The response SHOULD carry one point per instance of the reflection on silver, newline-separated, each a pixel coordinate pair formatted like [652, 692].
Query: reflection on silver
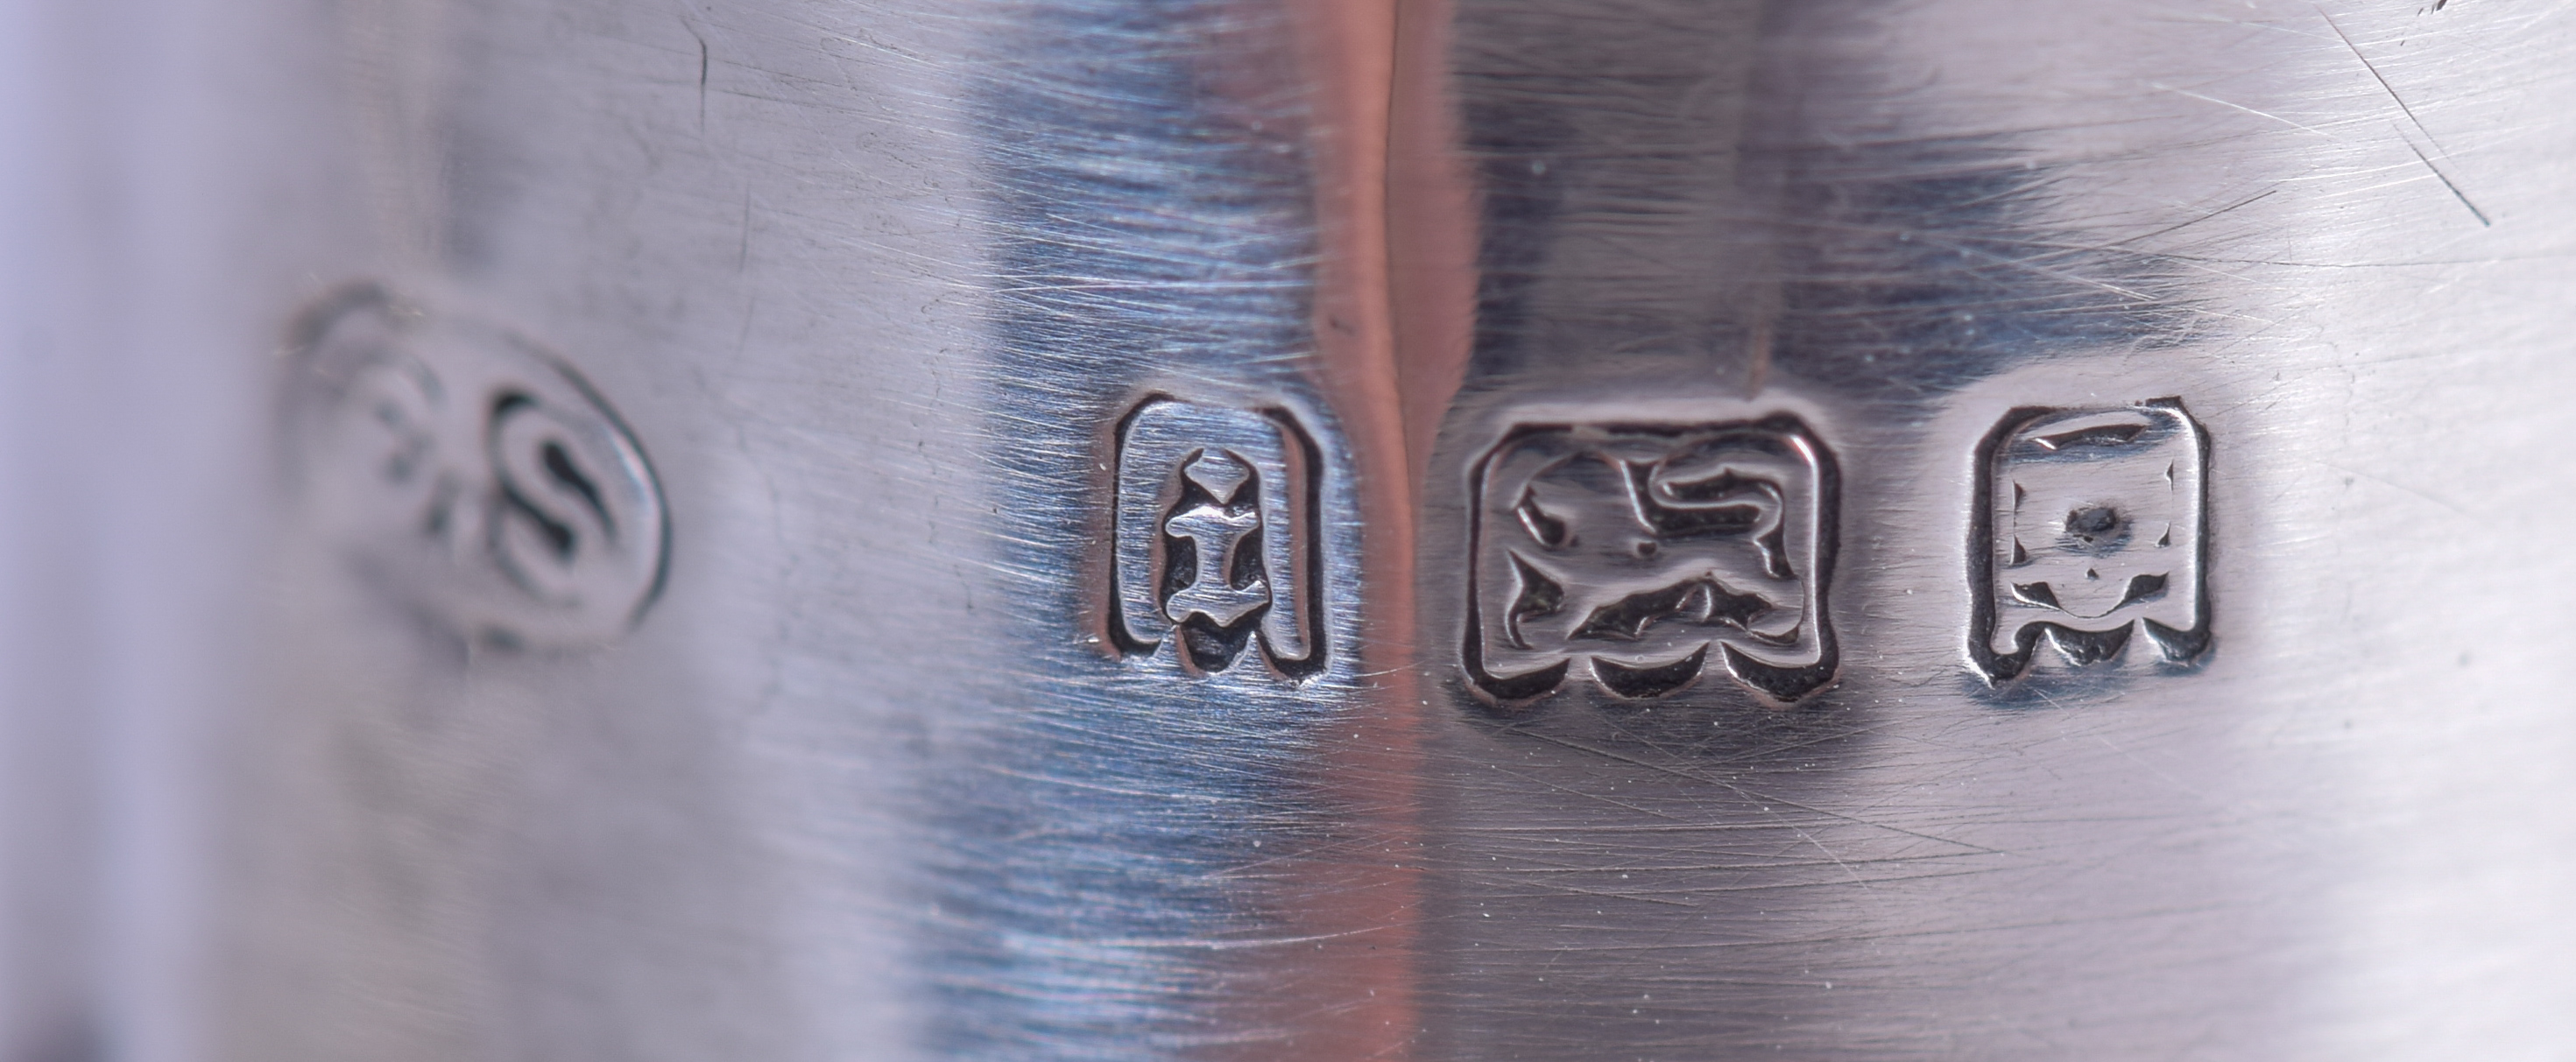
[1637, 548]
[1214, 535]
[473, 474]
[2090, 525]
[878, 282]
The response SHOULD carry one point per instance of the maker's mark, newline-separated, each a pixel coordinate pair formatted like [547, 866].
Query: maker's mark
[472, 474]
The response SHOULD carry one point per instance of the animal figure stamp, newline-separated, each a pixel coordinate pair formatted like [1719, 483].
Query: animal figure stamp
[1216, 537]
[2089, 526]
[1643, 555]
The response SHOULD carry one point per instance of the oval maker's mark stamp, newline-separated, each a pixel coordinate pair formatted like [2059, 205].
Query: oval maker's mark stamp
[474, 474]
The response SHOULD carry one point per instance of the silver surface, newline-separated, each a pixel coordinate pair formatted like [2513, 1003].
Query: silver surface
[901, 746]
[2335, 837]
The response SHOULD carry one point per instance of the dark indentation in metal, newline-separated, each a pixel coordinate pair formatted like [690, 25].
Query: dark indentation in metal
[1780, 683]
[2089, 647]
[559, 465]
[1684, 523]
[1247, 562]
[1724, 486]
[2037, 594]
[2179, 646]
[1539, 596]
[1180, 564]
[1774, 545]
[1649, 681]
[2100, 435]
[2143, 588]
[1548, 530]
[1701, 601]
[2094, 523]
[560, 537]
[1214, 648]
[1523, 687]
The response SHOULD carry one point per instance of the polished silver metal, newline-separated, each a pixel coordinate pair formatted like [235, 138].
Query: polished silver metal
[1440, 529]
[2323, 232]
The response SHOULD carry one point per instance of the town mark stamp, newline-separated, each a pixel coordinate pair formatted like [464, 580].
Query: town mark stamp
[1641, 554]
[2089, 525]
[1216, 537]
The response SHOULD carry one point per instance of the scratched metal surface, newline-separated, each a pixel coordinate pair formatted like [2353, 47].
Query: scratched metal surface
[870, 286]
[2333, 233]
[873, 775]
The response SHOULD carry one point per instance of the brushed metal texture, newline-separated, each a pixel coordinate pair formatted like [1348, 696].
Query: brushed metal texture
[1779, 374]
[2325, 229]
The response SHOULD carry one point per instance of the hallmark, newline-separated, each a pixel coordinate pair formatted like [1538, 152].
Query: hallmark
[474, 474]
[1639, 549]
[2088, 526]
[1215, 532]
